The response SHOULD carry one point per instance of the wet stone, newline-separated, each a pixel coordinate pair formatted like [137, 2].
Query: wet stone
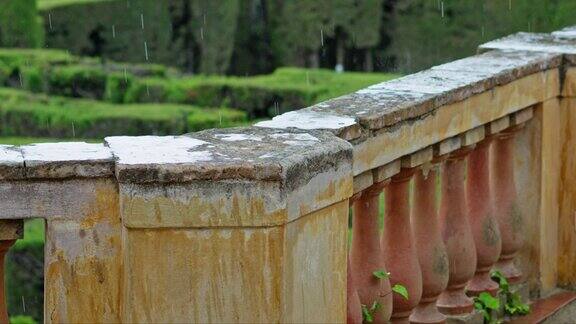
[253, 153]
[547, 43]
[11, 162]
[67, 160]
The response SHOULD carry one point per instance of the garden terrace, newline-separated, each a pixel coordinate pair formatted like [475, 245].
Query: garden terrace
[251, 224]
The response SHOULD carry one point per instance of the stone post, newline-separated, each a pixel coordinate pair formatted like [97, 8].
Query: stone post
[10, 231]
[235, 225]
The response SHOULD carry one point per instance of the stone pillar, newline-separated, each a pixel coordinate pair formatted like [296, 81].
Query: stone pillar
[430, 246]
[457, 236]
[366, 255]
[250, 224]
[508, 213]
[481, 215]
[10, 231]
[399, 247]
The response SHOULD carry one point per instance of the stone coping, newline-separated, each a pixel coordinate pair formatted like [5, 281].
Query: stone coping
[560, 42]
[353, 116]
[299, 142]
[250, 153]
[55, 160]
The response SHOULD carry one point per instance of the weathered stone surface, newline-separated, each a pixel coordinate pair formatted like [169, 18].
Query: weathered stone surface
[473, 136]
[279, 274]
[230, 177]
[363, 181]
[447, 146]
[416, 95]
[547, 43]
[11, 162]
[55, 161]
[387, 171]
[236, 153]
[315, 118]
[418, 158]
[568, 32]
[522, 116]
[497, 126]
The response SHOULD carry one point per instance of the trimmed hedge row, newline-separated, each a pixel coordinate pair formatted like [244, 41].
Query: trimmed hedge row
[37, 115]
[58, 73]
[20, 25]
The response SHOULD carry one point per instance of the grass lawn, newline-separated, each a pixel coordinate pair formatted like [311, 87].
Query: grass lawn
[48, 4]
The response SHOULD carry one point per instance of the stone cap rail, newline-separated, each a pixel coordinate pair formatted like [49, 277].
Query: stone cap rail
[297, 157]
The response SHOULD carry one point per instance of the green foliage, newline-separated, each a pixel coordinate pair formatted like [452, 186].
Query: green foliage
[381, 274]
[77, 81]
[22, 320]
[112, 29]
[368, 313]
[425, 35]
[25, 274]
[117, 85]
[486, 304]
[514, 305]
[19, 24]
[400, 290]
[23, 113]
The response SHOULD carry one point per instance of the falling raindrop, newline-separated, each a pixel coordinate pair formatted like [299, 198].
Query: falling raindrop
[148, 90]
[220, 117]
[509, 4]
[146, 50]
[202, 33]
[125, 76]
[113, 31]
[277, 108]
[482, 32]
[20, 77]
[204, 17]
[23, 304]
[322, 37]
[142, 20]
[73, 131]
[50, 20]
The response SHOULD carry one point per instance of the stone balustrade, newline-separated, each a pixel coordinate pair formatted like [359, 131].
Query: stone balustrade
[475, 160]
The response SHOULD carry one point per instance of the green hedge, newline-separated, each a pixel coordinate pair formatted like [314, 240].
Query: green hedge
[26, 114]
[20, 25]
[25, 274]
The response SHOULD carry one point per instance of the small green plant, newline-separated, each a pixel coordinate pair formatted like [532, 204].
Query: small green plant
[486, 304]
[514, 305]
[369, 312]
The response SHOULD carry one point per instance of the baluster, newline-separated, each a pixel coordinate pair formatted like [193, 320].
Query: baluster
[366, 256]
[481, 214]
[457, 236]
[399, 247]
[508, 213]
[354, 309]
[431, 249]
[10, 231]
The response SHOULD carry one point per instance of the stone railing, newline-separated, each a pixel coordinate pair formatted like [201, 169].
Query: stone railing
[251, 224]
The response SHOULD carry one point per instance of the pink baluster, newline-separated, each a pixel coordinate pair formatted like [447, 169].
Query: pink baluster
[354, 309]
[481, 214]
[430, 246]
[508, 213]
[399, 247]
[457, 236]
[366, 256]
